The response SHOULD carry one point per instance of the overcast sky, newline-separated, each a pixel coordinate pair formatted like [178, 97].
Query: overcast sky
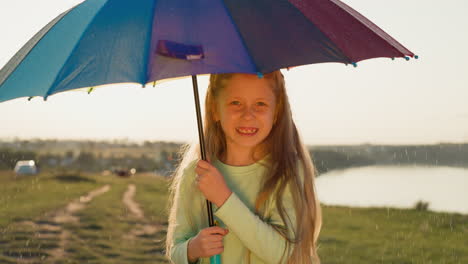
[379, 102]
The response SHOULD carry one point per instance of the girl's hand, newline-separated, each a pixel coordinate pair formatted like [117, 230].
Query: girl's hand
[211, 183]
[207, 243]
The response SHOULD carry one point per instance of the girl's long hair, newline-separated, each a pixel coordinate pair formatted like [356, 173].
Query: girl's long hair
[287, 151]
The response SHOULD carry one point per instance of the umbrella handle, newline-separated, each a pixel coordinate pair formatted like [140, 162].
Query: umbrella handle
[216, 259]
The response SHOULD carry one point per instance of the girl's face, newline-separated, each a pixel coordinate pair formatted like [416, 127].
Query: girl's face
[246, 110]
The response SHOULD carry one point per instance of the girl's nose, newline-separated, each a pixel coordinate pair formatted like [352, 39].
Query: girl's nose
[248, 113]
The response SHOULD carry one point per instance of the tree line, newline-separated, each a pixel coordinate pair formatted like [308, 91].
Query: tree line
[163, 157]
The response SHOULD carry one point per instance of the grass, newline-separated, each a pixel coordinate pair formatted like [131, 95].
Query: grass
[380, 235]
[28, 197]
[108, 233]
[152, 195]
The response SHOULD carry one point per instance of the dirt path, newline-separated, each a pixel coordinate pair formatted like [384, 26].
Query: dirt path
[52, 227]
[132, 206]
[142, 226]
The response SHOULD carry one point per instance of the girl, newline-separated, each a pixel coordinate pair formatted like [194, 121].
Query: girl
[260, 179]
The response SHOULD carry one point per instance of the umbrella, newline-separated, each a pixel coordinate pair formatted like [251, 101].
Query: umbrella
[101, 42]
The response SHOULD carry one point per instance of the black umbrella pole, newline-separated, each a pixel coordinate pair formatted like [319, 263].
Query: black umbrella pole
[201, 140]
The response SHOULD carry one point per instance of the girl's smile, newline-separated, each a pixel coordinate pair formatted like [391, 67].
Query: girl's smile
[247, 131]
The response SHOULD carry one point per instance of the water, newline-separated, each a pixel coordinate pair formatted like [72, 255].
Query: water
[445, 188]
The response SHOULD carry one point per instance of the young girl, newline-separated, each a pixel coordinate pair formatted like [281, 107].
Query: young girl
[259, 177]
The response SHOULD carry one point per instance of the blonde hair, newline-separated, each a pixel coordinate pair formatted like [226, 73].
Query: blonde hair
[282, 171]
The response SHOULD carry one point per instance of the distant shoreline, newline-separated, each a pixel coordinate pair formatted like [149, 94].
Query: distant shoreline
[163, 155]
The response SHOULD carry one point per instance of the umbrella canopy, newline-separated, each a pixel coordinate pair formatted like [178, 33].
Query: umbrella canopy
[101, 42]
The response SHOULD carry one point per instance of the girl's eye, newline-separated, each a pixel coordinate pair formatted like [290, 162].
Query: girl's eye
[261, 104]
[235, 103]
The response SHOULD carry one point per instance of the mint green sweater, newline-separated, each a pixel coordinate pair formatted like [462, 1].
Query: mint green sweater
[247, 231]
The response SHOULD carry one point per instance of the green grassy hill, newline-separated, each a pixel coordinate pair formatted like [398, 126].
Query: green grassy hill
[74, 218]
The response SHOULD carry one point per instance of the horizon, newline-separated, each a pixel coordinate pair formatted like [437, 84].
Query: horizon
[141, 142]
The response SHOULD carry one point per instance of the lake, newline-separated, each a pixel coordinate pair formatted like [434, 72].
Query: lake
[445, 188]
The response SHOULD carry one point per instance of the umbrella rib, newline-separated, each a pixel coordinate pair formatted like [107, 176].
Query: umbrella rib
[240, 35]
[54, 83]
[343, 54]
[19, 57]
[148, 44]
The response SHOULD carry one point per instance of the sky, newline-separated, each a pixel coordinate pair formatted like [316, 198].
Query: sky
[381, 101]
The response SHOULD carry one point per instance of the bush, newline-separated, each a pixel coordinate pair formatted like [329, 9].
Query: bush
[421, 206]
